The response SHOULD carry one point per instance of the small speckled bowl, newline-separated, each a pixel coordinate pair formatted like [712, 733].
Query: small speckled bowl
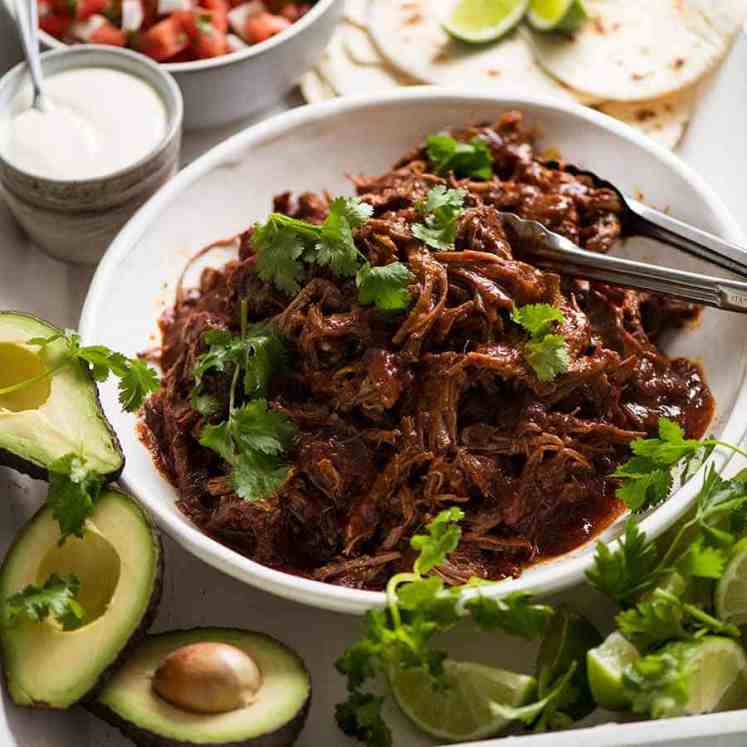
[76, 220]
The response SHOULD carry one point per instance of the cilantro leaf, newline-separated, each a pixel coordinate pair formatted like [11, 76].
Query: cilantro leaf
[548, 356]
[537, 318]
[472, 159]
[515, 614]
[136, 379]
[252, 442]
[384, 286]
[623, 572]
[282, 244]
[443, 537]
[441, 209]
[73, 492]
[360, 717]
[279, 248]
[36, 603]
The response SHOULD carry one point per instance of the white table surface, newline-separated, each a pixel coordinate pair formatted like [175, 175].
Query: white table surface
[195, 594]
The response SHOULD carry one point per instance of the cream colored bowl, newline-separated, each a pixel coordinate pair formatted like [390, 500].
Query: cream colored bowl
[75, 220]
[313, 148]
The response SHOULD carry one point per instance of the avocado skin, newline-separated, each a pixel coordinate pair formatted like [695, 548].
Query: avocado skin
[145, 623]
[283, 737]
[19, 464]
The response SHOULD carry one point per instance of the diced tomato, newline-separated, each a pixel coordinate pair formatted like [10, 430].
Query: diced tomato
[164, 40]
[81, 10]
[211, 44]
[219, 10]
[55, 24]
[195, 22]
[150, 13]
[262, 26]
[109, 34]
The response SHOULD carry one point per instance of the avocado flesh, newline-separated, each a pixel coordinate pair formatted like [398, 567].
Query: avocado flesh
[274, 719]
[56, 416]
[119, 565]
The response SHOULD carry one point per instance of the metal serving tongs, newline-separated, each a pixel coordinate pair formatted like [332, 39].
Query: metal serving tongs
[554, 252]
[638, 219]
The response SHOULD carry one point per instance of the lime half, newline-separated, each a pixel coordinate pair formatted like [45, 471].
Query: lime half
[731, 591]
[462, 712]
[480, 21]
[605, 665]
[557, 15]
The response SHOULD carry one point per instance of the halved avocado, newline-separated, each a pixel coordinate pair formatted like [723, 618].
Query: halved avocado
[119, 562]
[274, 718]
[56, 415]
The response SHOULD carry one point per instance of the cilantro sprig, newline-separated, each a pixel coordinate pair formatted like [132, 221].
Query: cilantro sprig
[58, 598]
[648, 476]
[419, 607]
[253, 438]
[441, 209]
[284, 244]
[136, 379]
[447, 155]
[545, 352]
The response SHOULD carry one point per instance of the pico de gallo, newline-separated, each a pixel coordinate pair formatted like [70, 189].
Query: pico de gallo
[170, 30]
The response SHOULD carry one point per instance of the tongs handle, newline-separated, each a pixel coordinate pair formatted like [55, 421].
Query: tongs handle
[554, 252]
[657, 225]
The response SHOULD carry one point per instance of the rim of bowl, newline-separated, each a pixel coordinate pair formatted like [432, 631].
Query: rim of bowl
[317, 11]
[560, 572]
[162, 81]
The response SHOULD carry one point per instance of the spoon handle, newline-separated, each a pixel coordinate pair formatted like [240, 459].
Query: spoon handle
[27, 18]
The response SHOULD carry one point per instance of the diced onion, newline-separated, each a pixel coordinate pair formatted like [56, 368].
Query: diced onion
[166, 7]
[132, 15]
[84, 30]
[237, 16]
[235, 43]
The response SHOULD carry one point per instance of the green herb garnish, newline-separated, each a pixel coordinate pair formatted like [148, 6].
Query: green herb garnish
[441, 209]
[56, 598]
[546, 353]
[136, 379]
[447, 155]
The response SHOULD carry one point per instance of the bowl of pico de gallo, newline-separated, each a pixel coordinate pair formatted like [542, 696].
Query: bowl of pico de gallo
[231, 58]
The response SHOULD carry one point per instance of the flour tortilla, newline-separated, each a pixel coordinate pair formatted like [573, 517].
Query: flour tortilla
[359, 46]
[632, 50]
[355, 12]
[315, 88]
[348, 77]
[664, 119]
[408, 34]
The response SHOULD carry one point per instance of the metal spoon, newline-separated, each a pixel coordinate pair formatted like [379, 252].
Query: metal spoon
[27, 20]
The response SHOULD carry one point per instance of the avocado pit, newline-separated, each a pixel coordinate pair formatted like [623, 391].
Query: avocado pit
[208, 677]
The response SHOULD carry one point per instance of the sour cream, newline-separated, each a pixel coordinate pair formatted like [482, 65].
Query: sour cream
[99, 121]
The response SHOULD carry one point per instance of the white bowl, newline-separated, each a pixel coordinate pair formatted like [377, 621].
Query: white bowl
[312, 148]
[223, 89]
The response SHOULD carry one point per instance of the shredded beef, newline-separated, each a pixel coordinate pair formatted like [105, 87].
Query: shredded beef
[399, 416]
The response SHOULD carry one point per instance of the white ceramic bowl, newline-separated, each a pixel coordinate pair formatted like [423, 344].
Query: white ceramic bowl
[223, 89]
[313, 148]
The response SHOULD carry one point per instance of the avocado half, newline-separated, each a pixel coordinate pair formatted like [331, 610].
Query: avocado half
[119, 562]
[274, 719]
[56, 415]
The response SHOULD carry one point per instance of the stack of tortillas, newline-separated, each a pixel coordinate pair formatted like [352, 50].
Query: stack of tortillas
[641, 61]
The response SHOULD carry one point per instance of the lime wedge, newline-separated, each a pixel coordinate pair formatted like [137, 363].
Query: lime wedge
[480, 21]
[461, 712]
[605, 665]
[730, 597]
[557, 15]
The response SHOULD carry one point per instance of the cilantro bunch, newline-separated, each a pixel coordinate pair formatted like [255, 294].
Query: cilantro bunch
[545, 352]
[419, 607]
[284, 244]
[136, 379]
[253, 438]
